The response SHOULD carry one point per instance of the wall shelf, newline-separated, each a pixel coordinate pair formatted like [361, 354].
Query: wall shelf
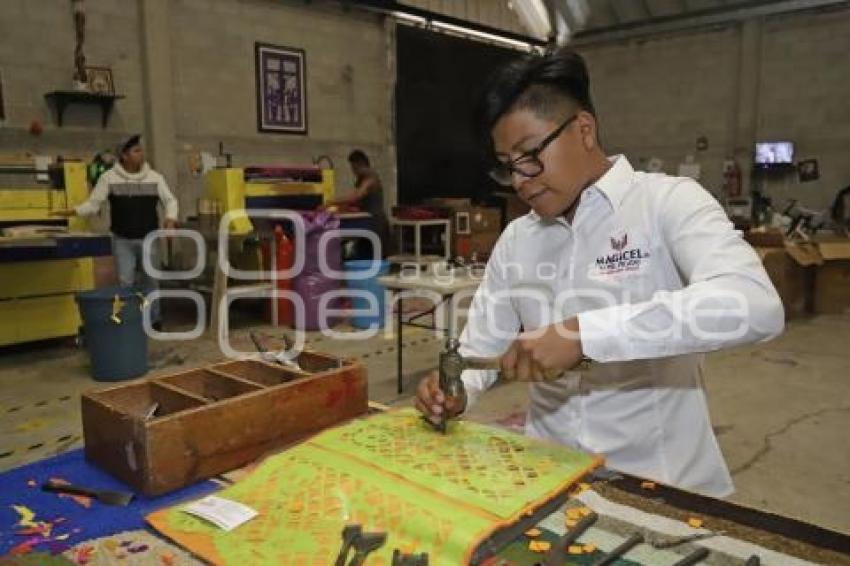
[62, 98]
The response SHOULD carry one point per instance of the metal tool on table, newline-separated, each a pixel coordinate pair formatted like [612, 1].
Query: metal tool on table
[402, 559]
[694, 557]
[106, 496]
[361, 542]
[662, 543]
[279, 357]
[364, 545]
[452, 364]
[557, 555]
[620, 550]
[349, 534]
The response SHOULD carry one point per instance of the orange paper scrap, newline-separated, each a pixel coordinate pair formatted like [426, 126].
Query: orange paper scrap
[539, 546]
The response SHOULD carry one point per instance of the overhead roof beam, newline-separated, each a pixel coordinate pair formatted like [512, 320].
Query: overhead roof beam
[701, 18]
[391, 7]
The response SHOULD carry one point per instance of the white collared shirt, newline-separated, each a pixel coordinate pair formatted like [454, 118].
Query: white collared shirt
[656, 275]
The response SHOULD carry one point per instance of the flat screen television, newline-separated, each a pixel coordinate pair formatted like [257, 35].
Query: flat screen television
[774, 153]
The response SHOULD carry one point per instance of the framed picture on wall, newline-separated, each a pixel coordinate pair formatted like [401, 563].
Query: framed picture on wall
[100, 80]
[281, 89]
[808, 170]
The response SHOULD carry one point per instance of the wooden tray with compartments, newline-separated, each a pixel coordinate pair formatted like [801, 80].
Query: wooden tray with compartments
[214, 419]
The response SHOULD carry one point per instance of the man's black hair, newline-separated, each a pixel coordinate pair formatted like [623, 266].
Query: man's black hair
[358, 156]
[130, 143]
[543, 84]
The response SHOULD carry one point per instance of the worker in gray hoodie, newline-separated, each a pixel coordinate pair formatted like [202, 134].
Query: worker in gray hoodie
[134, 190]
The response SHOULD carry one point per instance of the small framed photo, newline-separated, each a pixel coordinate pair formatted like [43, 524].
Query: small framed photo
[99, 80]
[281, 89]
[462, 223]
[808, 170]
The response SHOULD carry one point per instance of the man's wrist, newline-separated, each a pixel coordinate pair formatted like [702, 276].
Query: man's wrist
[576, 328]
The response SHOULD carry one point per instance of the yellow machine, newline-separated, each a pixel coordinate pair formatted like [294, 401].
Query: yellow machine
[41, 271]
[237, 189]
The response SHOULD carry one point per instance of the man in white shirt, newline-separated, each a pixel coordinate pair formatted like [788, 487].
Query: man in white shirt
[639, 272]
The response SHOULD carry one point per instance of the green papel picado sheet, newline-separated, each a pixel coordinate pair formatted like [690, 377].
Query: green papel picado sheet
[434, 493]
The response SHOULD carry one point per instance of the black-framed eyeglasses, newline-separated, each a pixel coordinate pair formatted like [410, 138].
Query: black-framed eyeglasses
[528, 164]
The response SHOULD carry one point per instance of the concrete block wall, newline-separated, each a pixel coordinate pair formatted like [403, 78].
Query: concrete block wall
[656, 95]
[804, 96]
[213, 92]
[37, 56]
[348, 87]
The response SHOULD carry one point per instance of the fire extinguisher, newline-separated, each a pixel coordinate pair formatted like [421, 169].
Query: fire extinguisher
[732, 179]
[284, 259]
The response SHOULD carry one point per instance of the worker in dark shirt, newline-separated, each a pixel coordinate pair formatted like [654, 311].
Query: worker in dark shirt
[367, 195]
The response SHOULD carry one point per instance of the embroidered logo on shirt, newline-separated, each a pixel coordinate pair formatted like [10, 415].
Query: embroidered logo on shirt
[619, 245]
[623, 259]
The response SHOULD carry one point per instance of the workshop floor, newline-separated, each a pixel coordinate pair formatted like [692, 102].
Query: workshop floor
[781, 410]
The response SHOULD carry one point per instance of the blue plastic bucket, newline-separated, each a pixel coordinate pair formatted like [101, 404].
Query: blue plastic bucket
[371, 286]
[117, 345]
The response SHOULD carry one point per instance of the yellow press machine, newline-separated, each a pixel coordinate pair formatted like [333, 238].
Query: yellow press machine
[255, 188]
[44, 260]
[235, 190]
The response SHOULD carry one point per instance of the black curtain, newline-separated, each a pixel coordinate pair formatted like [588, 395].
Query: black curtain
[440, 78]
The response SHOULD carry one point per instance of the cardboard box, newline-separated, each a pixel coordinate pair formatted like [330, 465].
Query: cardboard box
[515, 207]
[474, 228]
[832, 288]
[793, 282]
[458, 210]
[831, 260]
[452, 203]
[214, 419]
[765, 238]
[485, 219]
[419, 212]
[832, 279]
[481, 245]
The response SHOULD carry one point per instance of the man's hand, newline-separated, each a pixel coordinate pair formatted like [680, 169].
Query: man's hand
[542, 353]
[431, 402]
[169, 224]
[64, 213]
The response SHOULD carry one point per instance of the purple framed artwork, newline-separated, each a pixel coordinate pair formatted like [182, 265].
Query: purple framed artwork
[281, 89]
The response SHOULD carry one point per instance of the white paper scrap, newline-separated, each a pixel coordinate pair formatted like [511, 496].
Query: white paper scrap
[223, 513]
